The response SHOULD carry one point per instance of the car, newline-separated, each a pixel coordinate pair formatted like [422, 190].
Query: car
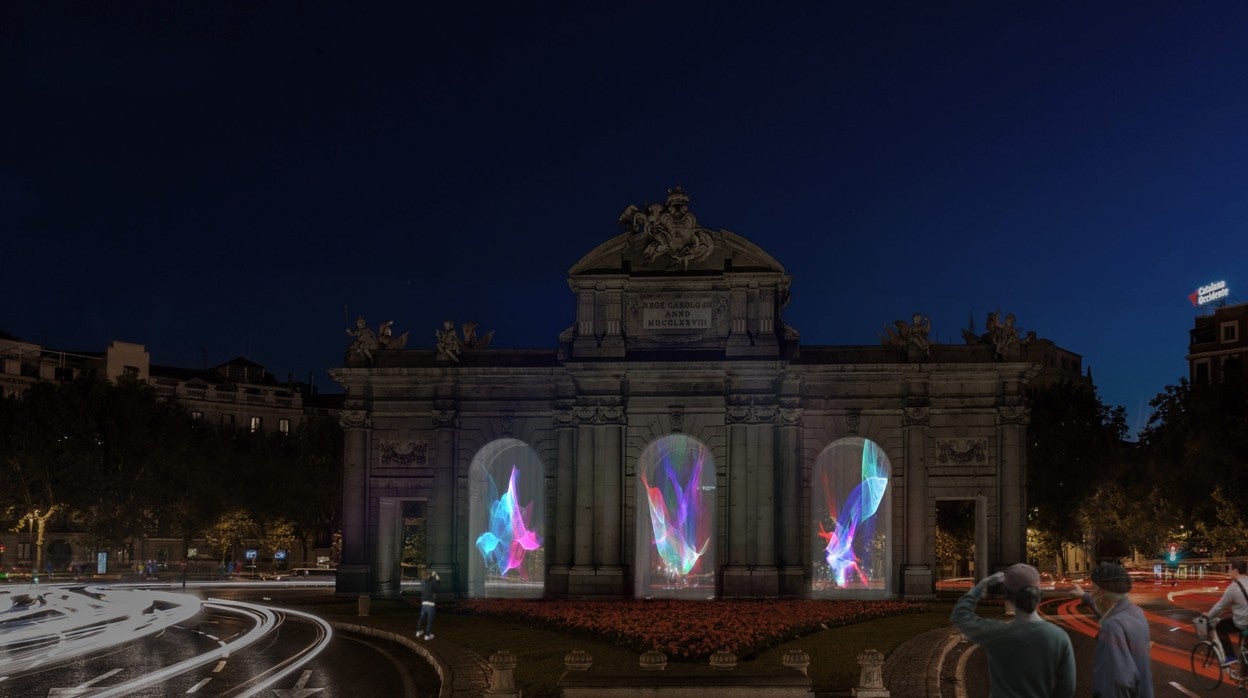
[955, 583]
[310, 573]
[1047, 582]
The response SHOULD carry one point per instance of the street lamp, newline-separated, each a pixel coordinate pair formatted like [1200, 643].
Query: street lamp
[34, 548]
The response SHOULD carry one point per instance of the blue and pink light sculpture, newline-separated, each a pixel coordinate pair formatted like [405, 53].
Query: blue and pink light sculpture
[510, 533]
[852, 518]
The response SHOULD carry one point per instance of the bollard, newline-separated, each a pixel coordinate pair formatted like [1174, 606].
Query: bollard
[652, 660]
[724, 660]
[362, 605]
[796, 659]
[578, 660]
[871, 678]
[501, 681]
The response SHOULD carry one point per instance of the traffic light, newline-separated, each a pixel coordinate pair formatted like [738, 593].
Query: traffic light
[1174, 552]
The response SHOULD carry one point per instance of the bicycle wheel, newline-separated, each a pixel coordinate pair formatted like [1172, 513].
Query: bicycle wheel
[1206, 666]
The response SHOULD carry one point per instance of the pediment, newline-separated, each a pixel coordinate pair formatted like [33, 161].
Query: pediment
[666, 239]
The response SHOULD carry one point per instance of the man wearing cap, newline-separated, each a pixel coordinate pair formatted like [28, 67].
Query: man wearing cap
[1120, 664]
[1027, 656]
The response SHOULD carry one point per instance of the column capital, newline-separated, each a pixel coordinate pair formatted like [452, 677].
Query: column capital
[1013, 415]
[355, 419]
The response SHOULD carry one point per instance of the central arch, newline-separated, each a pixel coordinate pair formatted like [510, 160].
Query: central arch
[851, 502]
[675, 530]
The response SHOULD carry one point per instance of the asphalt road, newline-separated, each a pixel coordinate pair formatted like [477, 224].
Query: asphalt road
[70, 641]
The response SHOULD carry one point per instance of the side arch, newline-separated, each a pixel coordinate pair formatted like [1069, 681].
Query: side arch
[506, 515]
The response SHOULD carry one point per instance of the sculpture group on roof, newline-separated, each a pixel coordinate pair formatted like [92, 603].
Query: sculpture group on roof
[670, 229]
[1002, 336]
[450, 344]
[368, 342]
[913, 335]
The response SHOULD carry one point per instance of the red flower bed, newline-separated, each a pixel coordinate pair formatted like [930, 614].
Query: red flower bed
[687, 629]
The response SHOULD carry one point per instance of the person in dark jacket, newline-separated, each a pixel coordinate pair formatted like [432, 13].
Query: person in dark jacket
[428, 588]
[1121, 667]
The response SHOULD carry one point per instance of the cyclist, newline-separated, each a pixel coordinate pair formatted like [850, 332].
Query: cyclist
[1235, 596]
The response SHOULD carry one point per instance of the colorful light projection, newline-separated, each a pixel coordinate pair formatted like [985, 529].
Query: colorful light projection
[850, 528]
[510, 535]
[506, 517]
[675, 519]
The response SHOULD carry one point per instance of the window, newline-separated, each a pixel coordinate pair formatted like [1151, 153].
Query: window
[197, 415]
[227, 420]
[1200, 373]
[130, 371]
[257, 423]
[1230, 331]
[64, 374]
[283, 425]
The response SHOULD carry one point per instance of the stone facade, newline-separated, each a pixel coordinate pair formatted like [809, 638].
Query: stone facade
[678, 332]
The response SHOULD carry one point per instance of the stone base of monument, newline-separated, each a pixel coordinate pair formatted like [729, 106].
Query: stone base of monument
[679, 681]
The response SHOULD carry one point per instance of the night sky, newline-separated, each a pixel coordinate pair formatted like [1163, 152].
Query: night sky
[242, 179]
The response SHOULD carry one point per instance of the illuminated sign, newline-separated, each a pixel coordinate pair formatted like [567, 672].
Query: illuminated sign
[1209, 293]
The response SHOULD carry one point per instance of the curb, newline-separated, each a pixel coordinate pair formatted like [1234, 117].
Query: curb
[913, 670]
[460, 670]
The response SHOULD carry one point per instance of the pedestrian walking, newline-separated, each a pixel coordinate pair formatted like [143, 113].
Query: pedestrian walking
[1028, 656]
[428, 588]
[1120, 665]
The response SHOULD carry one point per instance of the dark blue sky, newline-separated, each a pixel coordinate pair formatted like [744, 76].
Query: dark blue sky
[221, 182]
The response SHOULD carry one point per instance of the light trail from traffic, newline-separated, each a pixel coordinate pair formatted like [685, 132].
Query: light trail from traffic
[44, 628]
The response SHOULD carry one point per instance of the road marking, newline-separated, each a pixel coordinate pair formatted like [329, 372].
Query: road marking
[82, 687]
[198, 686]
[220, 665]
[1182, 690]
[298, 691]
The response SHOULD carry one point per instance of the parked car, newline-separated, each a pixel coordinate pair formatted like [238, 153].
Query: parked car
[324, 573]
[955, 584]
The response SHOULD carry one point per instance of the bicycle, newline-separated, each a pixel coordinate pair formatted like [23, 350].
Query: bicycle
[1207, 654]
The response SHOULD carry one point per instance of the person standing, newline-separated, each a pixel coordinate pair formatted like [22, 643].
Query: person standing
[1235, 597]
[1121, 667]
[428, 588]
[1027, 656]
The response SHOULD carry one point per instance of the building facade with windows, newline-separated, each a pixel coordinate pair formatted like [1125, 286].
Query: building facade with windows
[1218, 344]
[239, 393]
[681, 441]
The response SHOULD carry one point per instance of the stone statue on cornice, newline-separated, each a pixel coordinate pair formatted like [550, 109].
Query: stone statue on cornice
[913, 335]
[670, 229]
[1002, 337]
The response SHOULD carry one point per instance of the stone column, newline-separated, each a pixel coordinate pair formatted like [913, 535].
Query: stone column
[583, 536]
[564, 520]
[765, 498]
[917, 580]
[737, 493]
[609, 490]
[353, 571]
[789, 461]
[440, 540]
[1012, 424]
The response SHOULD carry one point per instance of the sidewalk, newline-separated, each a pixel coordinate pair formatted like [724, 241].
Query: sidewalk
[462, 672]
[914, 669]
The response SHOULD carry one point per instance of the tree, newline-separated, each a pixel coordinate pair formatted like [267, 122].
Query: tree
[227, 533]
[1074, 444]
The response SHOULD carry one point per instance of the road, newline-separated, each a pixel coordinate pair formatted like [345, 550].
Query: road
[125, 640]
[1169, 610]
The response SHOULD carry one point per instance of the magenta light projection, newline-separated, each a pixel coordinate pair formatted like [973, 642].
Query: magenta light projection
[849, 535]
[506, 515]
[675, 514]
[510, 535]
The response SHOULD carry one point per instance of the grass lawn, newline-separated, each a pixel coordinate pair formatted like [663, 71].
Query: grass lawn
[540, 652]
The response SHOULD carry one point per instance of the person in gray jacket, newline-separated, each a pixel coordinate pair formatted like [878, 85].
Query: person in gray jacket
[1121, 667]
[1028, 657]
